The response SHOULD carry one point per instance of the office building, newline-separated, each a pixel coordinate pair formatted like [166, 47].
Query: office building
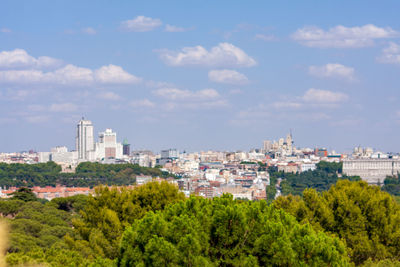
[85, 140]
[126, 148]
[107, 147]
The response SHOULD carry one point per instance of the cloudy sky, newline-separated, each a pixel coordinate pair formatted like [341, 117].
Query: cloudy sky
[200, 75]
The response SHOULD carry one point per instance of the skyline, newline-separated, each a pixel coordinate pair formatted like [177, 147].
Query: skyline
[175, 75]
[100, 135]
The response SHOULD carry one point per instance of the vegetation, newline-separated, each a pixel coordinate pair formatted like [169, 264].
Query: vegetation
[87, 174]
[362, 215]
[99, 229]
[392, 185]
[224, 232]
[38, 230]
[352, 223]
[320, 179]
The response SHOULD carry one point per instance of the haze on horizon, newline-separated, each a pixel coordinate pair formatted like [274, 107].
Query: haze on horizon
[201, 75]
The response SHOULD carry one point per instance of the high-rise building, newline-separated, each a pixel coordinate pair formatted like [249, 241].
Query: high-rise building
[84, 139]
[107, 147]
[126, 148]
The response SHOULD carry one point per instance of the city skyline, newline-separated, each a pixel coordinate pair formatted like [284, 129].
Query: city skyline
[176, 75]
[86, 144]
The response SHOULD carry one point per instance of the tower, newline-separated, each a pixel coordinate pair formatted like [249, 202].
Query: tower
[84, 139]
[126, 147]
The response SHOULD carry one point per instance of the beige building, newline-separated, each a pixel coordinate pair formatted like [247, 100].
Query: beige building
[373, 171]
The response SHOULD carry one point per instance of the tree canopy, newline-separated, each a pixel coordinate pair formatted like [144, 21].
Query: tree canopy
[362, 215]
[352, 223]
[87, 174]
[224, 232]
[110, 211]
[321, 179]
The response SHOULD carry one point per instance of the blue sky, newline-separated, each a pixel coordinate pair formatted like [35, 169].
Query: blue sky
[200, 75]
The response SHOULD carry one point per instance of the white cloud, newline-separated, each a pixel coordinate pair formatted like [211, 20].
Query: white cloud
[19, 94]
[316, 96]
[89, 30]
[263, 113]
[141, 24]
[21, 68]
[109, 96]
[201, 99]
[5, 30]
[306, 108]
[227, 76]
[37, 119]
[255, 113]
[142, 103]
[171, 28]
[36, 108]
[178, 94]
[224, 54]
[63, 107]
[265, 37]
[219, 103]
[157, 84]
[114, 74]
[332, 71]
[390, 54]
[69, 74]
[20, 76]
[20, 59]
[287, 104]
[235, 91]
[342, 37]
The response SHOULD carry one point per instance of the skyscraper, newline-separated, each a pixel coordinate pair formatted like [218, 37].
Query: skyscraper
[84, 139]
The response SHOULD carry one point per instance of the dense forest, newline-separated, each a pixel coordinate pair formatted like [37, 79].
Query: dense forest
[87, 174]
[350, 224]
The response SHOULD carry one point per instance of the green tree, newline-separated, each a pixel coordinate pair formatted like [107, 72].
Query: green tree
[330, 167]
[362, 215]
[225, 232]
[24, 194]
[110, 211]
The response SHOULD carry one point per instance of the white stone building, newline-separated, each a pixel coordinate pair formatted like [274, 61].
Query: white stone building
[373, 171]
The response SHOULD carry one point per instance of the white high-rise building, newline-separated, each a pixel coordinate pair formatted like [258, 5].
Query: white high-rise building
[107, 147]
[85, 140]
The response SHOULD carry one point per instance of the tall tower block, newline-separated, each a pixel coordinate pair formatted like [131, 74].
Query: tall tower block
[84, 139]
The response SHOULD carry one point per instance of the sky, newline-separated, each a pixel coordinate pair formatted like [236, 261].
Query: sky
[200, 75]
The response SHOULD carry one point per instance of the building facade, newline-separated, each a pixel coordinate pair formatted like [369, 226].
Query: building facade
[84, 140]
[373, 171]
[107, 147]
